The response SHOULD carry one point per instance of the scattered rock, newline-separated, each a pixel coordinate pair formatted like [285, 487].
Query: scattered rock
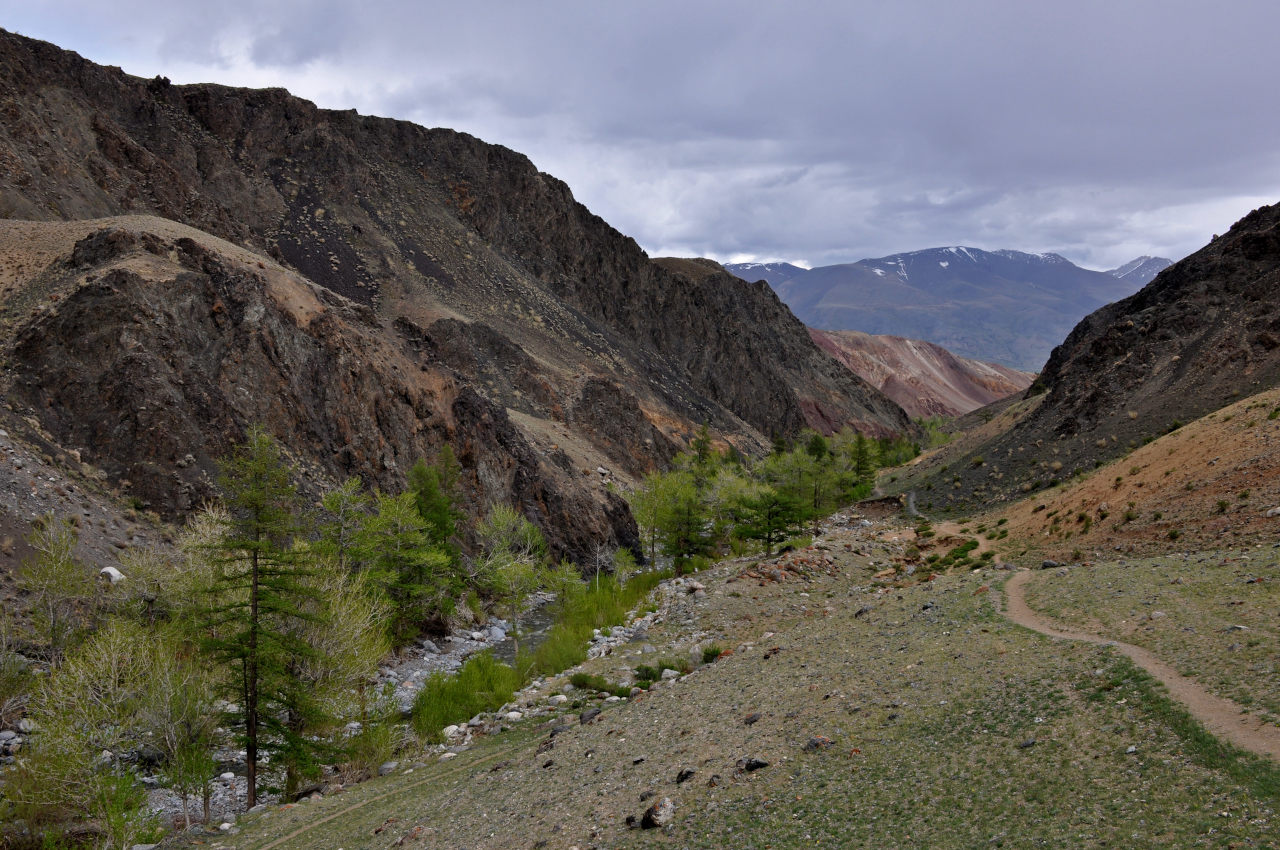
[669, 674]
[587, 716]
[748, 765]
[387, 767]
[659, 814]
[1049, 565]
[752, 719]
[1027, 744]
[816, 743]
[685, 775]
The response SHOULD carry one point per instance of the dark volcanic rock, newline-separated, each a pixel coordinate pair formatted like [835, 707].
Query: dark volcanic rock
[1203, 334]
[163, 347]
[460, 297]
[420, 223]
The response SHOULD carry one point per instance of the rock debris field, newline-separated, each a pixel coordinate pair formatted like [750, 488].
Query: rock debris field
[845, 710]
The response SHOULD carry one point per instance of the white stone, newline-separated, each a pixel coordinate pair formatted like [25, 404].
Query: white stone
[111, 574]
[558, 699]
[670, 674]
[451, 730]
[513, 716]
[224, 826]
[228, 777]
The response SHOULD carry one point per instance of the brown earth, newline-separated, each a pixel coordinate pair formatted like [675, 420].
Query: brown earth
[926, 379]
[1206, 485]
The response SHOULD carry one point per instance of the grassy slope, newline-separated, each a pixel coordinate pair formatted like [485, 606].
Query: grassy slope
[929, 699]
[1213, 615]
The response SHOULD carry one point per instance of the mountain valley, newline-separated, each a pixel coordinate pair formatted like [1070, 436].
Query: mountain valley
[738, 605]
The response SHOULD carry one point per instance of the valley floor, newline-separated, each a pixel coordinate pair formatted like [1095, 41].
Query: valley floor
[891, 712]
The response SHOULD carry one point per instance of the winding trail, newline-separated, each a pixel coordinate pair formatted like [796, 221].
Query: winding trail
[1222, 717]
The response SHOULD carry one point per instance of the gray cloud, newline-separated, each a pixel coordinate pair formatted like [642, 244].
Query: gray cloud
[814, 131]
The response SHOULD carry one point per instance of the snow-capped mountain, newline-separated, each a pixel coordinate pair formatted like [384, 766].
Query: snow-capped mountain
[1142, 270]
[1007, 307]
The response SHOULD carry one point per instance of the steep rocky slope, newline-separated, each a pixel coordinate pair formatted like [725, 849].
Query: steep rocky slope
[1203, 334]
[147, 348]
[926, 379]
[535, 313]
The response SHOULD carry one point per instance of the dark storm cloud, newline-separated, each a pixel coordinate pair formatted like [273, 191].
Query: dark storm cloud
[812, 131]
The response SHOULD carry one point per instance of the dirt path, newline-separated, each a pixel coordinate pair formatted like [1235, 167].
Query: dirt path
[1220, 716]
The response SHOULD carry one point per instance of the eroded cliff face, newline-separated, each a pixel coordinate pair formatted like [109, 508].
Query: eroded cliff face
[462, 296]
[423, 224]
[926, 379]
[149, 348]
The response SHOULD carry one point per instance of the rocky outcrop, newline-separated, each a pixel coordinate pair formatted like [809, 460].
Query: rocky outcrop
[419, 223]
[1203, 334]
[154, 347]
[461, 296]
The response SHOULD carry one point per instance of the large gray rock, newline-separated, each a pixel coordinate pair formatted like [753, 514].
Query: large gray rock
[659, 814]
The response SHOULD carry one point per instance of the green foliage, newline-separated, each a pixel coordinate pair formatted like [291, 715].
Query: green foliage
[768, 517]
[397, 548]
[711, 653]
[935, 433]
[112, 693]
[816, 446]
[15, 676]
[348, 508]
[482, 684]
[591, 682]
[578, 612]
[514, 564]
[56, 585]
[435, 491]
[256, 595]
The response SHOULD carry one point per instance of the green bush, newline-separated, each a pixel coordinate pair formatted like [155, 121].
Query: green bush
[591, 682]
[483, 684]
[711, 653]
[373, 745]
[581, 610]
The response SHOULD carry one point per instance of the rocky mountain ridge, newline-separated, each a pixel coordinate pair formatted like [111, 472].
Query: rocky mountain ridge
[926, 379]
[1007, 307]
[448, 256]
[1203, 334]
[1141, 270]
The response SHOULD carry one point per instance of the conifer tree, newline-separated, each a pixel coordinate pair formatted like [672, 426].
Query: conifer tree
[258, 590]
[435, 490]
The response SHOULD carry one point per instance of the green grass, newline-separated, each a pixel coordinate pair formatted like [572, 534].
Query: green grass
[578, 614]
[1214, 620]
[592, 682]
[482, 684]
[1259, 775]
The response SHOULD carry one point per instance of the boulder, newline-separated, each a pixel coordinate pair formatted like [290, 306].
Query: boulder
[659, 814]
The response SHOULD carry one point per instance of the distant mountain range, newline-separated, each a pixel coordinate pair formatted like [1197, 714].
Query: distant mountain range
[1202, 335]
[1003, 306]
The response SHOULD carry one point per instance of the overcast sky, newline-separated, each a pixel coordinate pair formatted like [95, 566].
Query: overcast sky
[815, 132]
